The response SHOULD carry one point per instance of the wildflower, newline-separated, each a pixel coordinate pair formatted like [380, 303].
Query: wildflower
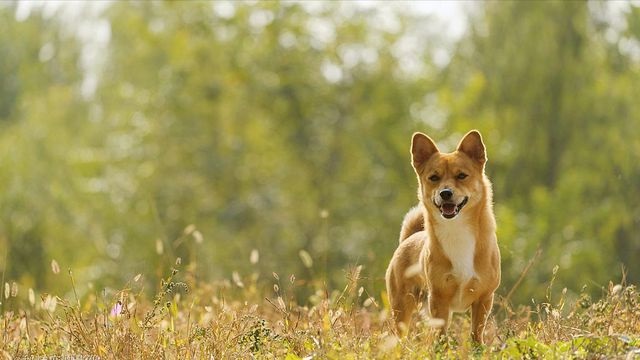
[159, 247]
[435, 322]
[413, 270]
[616, 290]
[197, 236]
[369, 301]
[237, 280]
[306, 258]
[55, 267]
[49, 303]
[32, 297]
[189, 229]
[388, 343]
[117, 309]
[255, 256]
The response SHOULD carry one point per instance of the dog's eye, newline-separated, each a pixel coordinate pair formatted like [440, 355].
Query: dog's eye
[462, 176]
[434, 178]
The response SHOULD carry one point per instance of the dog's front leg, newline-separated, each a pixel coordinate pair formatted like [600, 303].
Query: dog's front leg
[439, 308]
[480, 310]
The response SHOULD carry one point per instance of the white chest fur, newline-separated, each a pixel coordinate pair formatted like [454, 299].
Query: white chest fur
[458, 243]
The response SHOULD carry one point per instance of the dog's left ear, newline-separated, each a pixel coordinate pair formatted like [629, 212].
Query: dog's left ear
[472, 145]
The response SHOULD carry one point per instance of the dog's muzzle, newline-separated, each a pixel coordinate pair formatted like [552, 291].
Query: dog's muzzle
[450, 209]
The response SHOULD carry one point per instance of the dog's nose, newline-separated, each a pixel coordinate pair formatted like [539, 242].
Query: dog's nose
[446, 194]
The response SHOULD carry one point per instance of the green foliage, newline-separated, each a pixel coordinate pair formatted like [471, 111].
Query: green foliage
[558, 107]
[217, 131]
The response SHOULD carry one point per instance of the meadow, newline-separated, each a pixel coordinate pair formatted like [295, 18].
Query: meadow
[243, 318]
[265, 145]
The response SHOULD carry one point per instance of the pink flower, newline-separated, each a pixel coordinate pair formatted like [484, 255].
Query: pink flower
[117, 309]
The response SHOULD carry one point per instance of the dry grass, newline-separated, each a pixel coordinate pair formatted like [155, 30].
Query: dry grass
[235, 319]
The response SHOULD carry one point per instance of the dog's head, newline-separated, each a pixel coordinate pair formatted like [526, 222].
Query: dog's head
[449, 182]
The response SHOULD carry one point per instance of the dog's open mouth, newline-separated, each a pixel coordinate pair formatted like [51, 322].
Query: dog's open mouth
[449, 209]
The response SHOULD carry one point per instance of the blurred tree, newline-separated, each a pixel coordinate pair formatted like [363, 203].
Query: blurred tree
[260, 132]
[542, 78]
[39, 107]
[219, 128]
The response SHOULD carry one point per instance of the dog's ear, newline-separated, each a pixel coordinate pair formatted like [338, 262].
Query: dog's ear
[422, 148]
[472, 145]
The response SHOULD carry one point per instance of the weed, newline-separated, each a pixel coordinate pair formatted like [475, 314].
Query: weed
[195, 321]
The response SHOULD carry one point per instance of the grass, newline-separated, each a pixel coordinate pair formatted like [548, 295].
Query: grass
[235, 319]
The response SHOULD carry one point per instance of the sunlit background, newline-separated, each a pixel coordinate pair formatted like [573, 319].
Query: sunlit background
[247, 138]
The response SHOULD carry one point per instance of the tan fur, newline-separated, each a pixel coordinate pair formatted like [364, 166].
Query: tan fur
[456, 262]
[412, 223]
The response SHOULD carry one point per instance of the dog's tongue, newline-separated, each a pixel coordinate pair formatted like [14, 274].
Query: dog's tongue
[449, 209]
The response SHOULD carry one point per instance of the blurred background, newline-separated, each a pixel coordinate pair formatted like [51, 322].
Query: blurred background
[249, 138]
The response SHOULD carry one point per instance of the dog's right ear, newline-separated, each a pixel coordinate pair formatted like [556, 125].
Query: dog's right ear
[422, 148]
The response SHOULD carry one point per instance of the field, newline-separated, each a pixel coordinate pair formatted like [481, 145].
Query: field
[238, 318]
[135, 133]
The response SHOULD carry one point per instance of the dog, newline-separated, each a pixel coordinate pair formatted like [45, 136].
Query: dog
[448, 248]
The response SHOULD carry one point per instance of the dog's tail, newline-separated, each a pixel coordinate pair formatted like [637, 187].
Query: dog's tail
[412, 223]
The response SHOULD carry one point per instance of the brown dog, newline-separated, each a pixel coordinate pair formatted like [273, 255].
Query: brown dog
[448, 248]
